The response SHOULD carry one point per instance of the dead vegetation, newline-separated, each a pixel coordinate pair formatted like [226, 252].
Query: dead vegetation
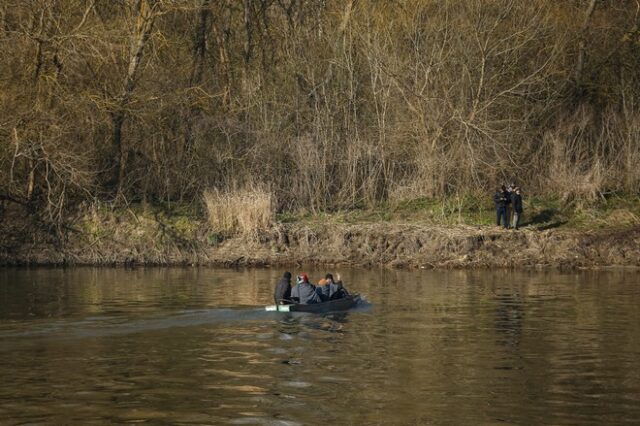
[331, 105]
[247, 211]
[153, 238]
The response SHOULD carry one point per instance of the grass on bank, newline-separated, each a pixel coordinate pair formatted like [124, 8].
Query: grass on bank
[141, 222]
[220, 216]
[540, 213]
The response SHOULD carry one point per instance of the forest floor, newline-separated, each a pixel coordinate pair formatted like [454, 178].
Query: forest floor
[457, 233]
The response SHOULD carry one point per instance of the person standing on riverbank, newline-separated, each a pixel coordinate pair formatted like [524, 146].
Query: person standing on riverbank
[500, 200]
[509, 192]
[516, 203]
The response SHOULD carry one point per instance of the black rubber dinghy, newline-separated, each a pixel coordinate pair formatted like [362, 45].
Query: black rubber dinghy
[342, 304]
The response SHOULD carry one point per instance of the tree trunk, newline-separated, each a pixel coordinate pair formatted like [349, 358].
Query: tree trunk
[248, 42]
[31, 179]
[146, 14]
[200, 48]
[582, 44]
[223, 58]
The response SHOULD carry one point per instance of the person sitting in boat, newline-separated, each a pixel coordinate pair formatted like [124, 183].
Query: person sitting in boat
[282, 294]
[304, 291]
[323, 289]
[295, 298]
[336, 289]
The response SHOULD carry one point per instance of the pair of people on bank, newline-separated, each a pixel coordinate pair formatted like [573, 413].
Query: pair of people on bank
[306, 293]
[508, 201]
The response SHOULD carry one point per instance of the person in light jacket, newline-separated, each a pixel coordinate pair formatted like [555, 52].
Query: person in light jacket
[516, 203]
[305, 291]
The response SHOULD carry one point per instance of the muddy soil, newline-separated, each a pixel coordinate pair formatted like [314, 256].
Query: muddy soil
[134, 240]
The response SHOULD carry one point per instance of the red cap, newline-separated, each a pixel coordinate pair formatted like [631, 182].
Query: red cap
[305, 277]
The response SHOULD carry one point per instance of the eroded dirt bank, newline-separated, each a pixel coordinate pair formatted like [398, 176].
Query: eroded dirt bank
[155, 242]
[430, 247]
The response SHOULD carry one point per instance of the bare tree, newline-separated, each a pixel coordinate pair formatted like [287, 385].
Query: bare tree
[146, 11]
[582, 42]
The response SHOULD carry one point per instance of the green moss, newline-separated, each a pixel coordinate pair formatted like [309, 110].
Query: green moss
[184, 225]
[215, 239]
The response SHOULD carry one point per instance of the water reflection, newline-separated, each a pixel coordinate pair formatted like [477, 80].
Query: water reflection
[509, 317]
[189, 345]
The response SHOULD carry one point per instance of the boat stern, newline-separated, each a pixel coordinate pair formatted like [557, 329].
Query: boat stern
[277, 308]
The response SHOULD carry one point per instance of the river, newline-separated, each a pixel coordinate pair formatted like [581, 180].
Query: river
[193, 346]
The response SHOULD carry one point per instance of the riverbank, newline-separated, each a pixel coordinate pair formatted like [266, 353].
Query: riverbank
[148, 236]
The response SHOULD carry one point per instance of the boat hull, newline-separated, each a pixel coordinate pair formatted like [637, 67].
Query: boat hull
[329, 306]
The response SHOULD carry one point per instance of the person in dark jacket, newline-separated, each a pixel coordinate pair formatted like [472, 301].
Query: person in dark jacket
[336, 289]
[323, 289]
[516, 202]
[305, 291]
[282, 295]
[500, 199]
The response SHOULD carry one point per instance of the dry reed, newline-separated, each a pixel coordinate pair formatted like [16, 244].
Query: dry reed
[246, 211]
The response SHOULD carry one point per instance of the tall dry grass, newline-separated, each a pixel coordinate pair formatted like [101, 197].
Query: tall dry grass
[247, 211]
[590, 154]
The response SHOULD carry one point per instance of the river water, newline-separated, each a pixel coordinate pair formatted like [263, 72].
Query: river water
[194, 346]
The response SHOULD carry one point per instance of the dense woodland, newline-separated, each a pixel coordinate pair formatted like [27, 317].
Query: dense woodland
[322, 103]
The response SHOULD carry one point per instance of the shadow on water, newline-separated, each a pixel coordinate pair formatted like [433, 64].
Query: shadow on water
[509, 319]
[297, 323]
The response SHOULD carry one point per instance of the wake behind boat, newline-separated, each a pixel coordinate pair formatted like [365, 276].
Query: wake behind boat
[342, 304]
